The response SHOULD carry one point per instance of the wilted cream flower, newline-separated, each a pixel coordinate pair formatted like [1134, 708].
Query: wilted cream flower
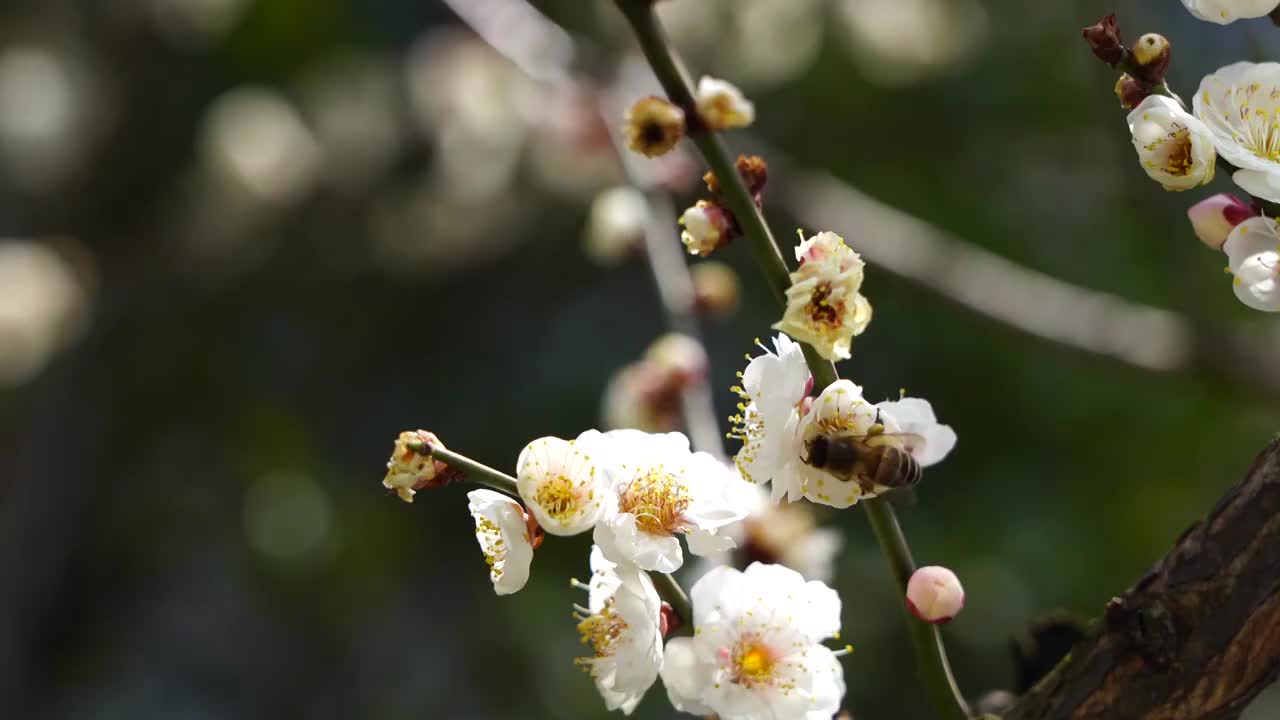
[1174, 147]
[653, 126]
[707, 227]
[934, 595]
[411, 468]
[503, 532]
[722, 105]
[824, 307]
[1223, 12]
[1253, 254]
[560, 483]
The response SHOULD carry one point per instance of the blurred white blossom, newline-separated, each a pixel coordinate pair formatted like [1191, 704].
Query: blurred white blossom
[51, 110]
[901, 42]
[43, 306]
[254, 139]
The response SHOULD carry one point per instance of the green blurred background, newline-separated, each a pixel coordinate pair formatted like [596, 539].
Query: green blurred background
[252, 240]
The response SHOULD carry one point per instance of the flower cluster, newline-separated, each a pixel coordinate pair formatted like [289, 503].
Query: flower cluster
[833, 449]
[1235, 115]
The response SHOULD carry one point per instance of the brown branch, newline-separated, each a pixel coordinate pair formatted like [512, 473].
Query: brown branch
[1198, 637]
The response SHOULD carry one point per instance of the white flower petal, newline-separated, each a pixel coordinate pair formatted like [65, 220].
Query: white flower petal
[503, 537]
[1223, 12]
[915, 416]
[623, 542]
[685, 677]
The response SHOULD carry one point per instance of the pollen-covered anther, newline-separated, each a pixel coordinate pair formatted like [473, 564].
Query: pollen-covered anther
[653, 126]
[752, 663]
[412, 468]
[657, 499]
[707, 228]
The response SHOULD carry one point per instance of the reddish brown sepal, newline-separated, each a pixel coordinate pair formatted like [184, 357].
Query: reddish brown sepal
[1105, 41]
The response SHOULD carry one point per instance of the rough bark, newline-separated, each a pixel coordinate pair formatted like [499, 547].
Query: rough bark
[1198, 637]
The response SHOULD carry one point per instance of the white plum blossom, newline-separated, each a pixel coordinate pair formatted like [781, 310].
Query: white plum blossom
[622, 624]
[1240, 104]
[657, 491]
[774, 388]
[824, 307]
[722, 105]
[1253, 254]
[503, 534]
[840, 411]
[560, 482]
[934, 595]
[1228, 11]
[756, 652]
[1174, 147]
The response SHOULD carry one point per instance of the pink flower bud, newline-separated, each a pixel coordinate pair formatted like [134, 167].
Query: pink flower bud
[934, 595]
[1215, 218]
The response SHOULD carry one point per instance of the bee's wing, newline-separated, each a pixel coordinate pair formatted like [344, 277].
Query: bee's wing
[911, 442]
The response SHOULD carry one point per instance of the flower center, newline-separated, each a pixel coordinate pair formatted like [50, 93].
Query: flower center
[821, 310]
[1177, 156]
[560, 497]
[752, 663]
[1255, 121]
[657, 499]
[491, 544]
[601, 631]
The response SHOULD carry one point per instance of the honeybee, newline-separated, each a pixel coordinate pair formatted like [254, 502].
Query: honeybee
[877, 459]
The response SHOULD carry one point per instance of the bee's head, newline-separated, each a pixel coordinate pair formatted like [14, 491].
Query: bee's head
[817, 448]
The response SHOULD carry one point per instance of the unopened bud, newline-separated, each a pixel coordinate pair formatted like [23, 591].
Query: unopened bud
[934, 594]
[1104, 40]
[411, 467]
[654, 126]
[1214, 219]
[707, 228]
[1130, 92]
[716, 289]
[616, 225]
[668, 620]
[1151, 55]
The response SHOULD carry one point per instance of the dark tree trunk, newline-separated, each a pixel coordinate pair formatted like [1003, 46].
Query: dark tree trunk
[1198, 637]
